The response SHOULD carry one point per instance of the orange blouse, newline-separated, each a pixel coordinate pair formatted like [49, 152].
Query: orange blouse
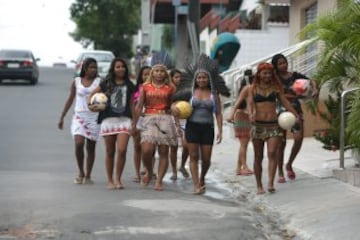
[157, 99]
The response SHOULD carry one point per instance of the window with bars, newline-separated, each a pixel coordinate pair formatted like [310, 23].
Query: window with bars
[310, 53]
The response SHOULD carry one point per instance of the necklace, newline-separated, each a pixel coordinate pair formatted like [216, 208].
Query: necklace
[264, 87]
[158, 85]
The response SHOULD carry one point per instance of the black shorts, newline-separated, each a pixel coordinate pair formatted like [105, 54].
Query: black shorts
[199, 133]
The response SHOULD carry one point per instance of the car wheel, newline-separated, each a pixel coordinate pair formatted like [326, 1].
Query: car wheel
[34, 81]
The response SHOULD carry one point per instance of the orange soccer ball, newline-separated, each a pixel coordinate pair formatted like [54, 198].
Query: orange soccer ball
[184, 108]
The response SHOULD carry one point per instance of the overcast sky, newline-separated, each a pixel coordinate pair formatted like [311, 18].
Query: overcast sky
[41, 26]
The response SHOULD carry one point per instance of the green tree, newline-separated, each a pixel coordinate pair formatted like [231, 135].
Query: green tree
[108, 24]
[338, 34]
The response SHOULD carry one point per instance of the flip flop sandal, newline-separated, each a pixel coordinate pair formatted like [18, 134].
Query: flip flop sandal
[78, 180]
[291, 174]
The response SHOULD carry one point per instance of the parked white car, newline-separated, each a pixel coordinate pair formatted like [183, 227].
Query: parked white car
[102, 57]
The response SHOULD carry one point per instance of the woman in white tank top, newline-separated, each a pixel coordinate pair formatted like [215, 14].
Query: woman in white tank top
[84, 127]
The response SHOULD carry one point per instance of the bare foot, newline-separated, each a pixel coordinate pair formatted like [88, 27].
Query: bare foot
[88, 180]
[110, 186]
[202, 183]
[245, 172]
[146, 180]
[158, 187]
[119, 185]
[260, 191]
[199, 191]
[281, 179]
[136, 179]
[184, 172]
[271, 188]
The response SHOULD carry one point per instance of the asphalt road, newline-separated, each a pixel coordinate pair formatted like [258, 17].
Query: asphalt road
[39, 201]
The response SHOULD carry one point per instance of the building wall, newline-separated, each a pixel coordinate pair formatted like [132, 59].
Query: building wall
[207, 39]
[297, 23]
[183, 51]
[258, 44]
[297, 11]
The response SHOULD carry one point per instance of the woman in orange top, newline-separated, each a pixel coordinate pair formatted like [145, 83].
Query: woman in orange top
[159, 130]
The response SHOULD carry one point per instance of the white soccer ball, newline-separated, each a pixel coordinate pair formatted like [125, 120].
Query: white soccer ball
[286, 120]
[100, 100]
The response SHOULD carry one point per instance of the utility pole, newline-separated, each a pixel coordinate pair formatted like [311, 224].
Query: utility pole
[176, 4]
[193, 26]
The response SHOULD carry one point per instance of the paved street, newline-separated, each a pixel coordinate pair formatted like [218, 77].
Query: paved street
[39, 201]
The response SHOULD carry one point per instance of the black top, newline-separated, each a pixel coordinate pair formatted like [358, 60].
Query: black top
[119, 100]
[261, 98]
[287, 83]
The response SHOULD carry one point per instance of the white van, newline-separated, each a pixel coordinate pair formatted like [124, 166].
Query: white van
[102, 57]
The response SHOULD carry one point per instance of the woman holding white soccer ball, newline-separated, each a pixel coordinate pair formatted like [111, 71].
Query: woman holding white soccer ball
[296, 86]
[116, 112]
[263, 94]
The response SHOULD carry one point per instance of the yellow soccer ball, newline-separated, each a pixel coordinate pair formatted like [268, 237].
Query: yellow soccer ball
[184, 108]
[286, 120]
[100, 100]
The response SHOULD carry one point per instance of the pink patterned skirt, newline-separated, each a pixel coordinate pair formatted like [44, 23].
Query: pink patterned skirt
[115, 125]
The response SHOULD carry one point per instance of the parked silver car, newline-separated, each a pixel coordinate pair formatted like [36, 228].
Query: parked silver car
[102, 57]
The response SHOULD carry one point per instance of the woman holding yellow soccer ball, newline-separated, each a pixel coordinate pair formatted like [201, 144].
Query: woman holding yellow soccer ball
[201, 89]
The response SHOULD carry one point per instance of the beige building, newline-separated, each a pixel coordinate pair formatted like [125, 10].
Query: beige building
[303, 12]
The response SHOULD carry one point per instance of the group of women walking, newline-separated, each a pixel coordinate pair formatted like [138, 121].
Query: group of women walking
[255, 116]
[144, 111]
[147, 112]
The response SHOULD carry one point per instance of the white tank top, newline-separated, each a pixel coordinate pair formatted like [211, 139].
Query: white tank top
[82, 93]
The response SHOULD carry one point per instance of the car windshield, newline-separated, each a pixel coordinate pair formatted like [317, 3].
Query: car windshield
[100, 57]
[14, 54]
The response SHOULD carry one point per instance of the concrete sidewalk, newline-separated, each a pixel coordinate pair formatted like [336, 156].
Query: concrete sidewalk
[314, 206]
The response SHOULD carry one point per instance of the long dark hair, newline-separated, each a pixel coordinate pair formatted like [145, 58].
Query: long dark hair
[139, 79]
[248, 78]
[110, 77]
[85, 66]
[275, 59]
[174, 71]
